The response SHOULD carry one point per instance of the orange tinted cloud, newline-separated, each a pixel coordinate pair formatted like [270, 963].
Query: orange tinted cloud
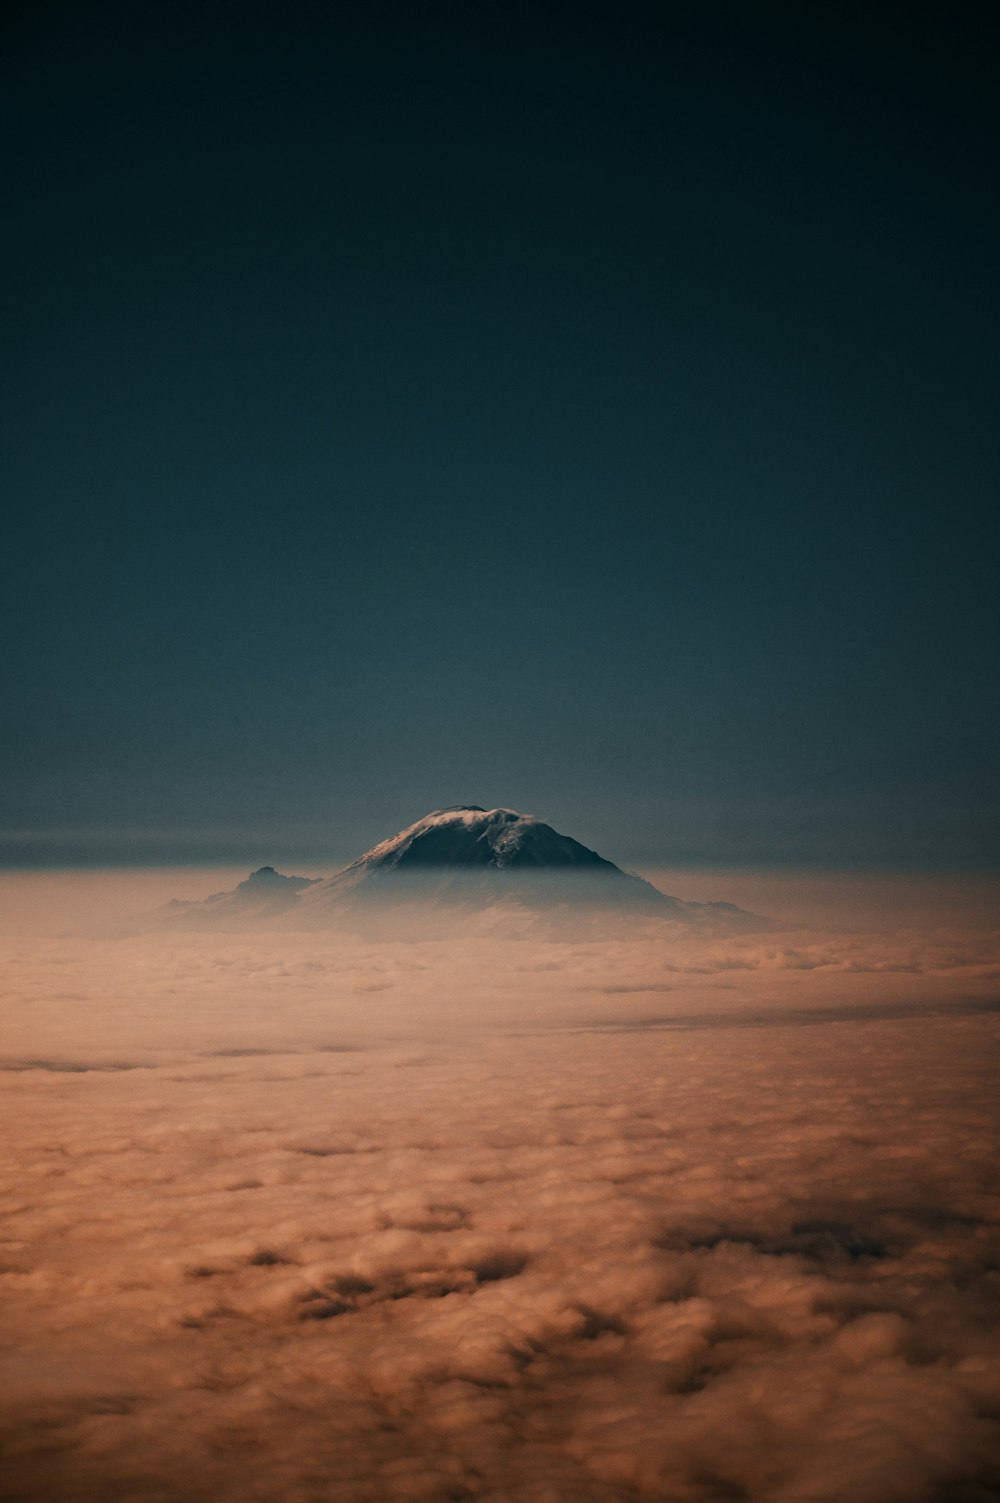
[292, 1218]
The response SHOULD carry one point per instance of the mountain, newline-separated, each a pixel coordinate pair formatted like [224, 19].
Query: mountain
[264, 894]
[466, 859]
[466, 866]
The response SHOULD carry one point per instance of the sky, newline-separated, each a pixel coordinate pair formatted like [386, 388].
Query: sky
[584, 412]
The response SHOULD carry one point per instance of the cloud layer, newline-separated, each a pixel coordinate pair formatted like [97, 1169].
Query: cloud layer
[299, 1221]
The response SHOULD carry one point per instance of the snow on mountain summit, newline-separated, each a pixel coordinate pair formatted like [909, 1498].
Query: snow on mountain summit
[467, 835]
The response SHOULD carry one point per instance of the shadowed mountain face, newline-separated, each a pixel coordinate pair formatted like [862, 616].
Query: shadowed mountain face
[462, 864]
[466, 835]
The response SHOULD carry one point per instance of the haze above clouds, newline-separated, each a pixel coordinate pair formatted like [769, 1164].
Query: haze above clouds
[298, 1219]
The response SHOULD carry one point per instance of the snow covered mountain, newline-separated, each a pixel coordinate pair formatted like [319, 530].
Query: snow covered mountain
[465, 866]
[471, 858]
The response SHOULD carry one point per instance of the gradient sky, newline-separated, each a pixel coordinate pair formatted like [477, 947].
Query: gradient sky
[531, 405]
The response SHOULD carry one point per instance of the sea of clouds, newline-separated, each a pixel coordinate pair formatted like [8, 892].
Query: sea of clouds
[300, 1220]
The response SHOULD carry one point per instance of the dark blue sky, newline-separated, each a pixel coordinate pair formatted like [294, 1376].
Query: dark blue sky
[538, 405]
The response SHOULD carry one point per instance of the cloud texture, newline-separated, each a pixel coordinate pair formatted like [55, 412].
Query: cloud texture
[292, 1220]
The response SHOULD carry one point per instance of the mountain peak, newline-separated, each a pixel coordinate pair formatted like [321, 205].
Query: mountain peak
[466, 835]
[267, 877]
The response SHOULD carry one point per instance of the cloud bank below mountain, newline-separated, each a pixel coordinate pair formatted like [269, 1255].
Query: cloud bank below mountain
[297, 1218]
